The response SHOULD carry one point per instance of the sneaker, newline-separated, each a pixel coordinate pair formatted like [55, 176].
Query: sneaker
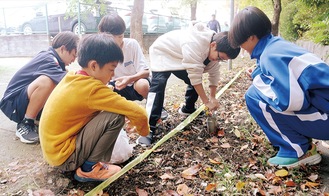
[26, 131]
[101, 171]
[311, 157]
[145, 141]
[183, 111]
[325, 143]
[164, 114]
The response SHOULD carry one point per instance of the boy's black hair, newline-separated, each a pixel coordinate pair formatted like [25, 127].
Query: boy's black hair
[67, 39]
[113, 24]
[249, 21]
[223, 45]
[99, 47]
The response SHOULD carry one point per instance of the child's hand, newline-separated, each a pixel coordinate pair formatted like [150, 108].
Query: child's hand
[249, 71]
[129, 128]
[121, 83]
[212, 105]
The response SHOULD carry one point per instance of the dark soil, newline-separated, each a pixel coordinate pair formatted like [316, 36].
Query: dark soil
[232, 162]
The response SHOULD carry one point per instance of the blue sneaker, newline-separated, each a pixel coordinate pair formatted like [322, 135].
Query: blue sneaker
[311, 157]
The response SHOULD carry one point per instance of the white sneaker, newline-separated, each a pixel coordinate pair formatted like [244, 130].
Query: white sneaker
[325, 143]
[145, 141]
[164, 114]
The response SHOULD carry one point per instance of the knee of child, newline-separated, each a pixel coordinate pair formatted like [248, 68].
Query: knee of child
[251, 95]
[45, 81]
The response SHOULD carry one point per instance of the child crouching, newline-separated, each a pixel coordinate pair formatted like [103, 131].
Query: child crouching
[82, 118]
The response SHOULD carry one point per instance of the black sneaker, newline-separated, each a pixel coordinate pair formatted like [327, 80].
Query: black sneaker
[183, 111]
[145, 141]
[26, 131]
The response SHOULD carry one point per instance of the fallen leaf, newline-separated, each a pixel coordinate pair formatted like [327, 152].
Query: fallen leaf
[203, 175]
[251, 176]
[176, 106]
[211, 186]
[303, 187]
[221, 189]
[269, 175]
[169, 193]
[252, 162]
[276, 180]
[237, 133]
[257, 138]
[259, 192]
[281, 173]
[141, 192]
[244, 147]
[220, 133]
[312, 184]
[158, 161]
[261, 176]
[228, 175]
[275, 190]
[43, 192]
[190, 172]
[290, 183]
[239, 186]
[313, 177]
[214, 161]
[158, 150]
[182, 189]
[75, 192]
[225, 145]
[167, 176]
[213, 139]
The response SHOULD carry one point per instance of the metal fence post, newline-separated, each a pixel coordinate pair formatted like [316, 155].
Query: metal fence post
[47, 24]
[59, 23]
[79, 19]
[231, 19]
[4, 19]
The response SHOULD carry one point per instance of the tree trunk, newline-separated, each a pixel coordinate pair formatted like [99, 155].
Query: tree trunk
[276, 17]
[193, 10]
[136, 31]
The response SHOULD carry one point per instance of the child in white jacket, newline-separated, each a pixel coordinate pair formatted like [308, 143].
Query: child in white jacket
[187, 54]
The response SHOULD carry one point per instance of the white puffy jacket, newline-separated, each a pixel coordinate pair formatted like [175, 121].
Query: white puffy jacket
[185, 50]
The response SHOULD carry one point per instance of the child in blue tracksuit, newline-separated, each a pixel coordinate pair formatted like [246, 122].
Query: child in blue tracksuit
[289, 96]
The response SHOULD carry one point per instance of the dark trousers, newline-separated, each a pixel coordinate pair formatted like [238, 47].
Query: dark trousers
[156, 94]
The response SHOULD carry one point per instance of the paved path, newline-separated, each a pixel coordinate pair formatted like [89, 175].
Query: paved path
[13, 150]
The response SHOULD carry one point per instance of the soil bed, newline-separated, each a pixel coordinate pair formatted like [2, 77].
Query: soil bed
[193, 162]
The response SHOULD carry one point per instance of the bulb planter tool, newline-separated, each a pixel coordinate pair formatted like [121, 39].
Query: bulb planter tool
[211, 122]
